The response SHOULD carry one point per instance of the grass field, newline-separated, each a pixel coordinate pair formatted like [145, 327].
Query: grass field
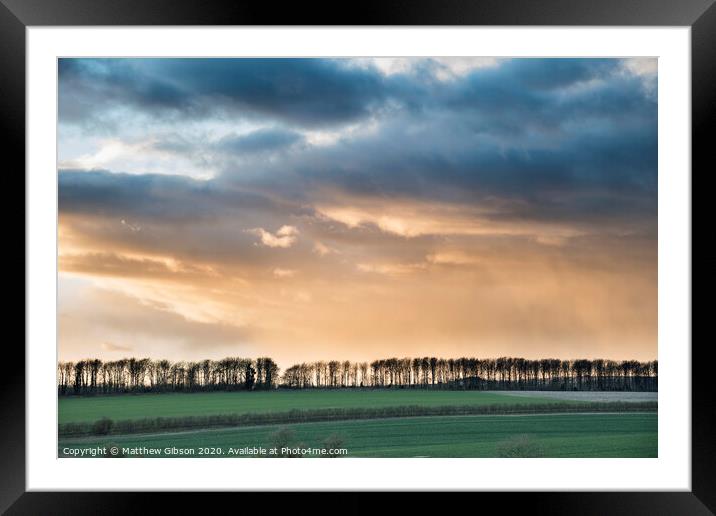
[437, 435]
[136, 406]
[558, 435]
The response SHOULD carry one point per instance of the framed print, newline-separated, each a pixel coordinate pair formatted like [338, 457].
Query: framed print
[443, 246]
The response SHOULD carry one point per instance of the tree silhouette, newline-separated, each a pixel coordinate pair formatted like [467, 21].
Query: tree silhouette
[92, 376]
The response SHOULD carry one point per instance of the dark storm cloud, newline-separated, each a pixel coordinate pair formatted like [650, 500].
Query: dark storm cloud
[175, 215]
[509, 103]
[310, 92]
[154, 197]
[535, 139]
[263, 140]
[590, 155]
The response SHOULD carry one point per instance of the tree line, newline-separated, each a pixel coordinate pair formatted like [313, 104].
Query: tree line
[475, 373]
[93, 376]
[147, 375]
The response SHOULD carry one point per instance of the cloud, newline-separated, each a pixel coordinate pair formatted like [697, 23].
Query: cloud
[412, 219]
[442, 68]
[309, 92]
[160, 198]
[322, 249]
[109, 346]
[524, 187]
[391, 269]
[285, 237]
[452, 258]
[152, 328]
[131, 227]
[646, 69]
[263, 140]
[154, 155]
[133, 266]
[551, 139]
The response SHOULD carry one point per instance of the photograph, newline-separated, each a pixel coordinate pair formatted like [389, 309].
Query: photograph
[357, 257]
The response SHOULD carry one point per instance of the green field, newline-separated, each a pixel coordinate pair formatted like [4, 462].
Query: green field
[628, 434]
[558, 435]
[136, 406]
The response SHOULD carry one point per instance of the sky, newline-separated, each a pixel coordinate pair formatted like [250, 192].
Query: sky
[353, 209]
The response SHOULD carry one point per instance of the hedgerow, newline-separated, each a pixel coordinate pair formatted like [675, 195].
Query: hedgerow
[159, 424]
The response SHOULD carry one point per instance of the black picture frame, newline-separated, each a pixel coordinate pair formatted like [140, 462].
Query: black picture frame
[700, 15]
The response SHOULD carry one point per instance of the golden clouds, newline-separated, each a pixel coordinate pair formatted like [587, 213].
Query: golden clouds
[286, 236]
[452, 258]
[443, 281]
[391, 269]
[283, 273]
[322, 249]
[410, 219]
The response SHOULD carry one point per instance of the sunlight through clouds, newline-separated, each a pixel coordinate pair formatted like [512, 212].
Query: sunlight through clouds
[306, 208]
